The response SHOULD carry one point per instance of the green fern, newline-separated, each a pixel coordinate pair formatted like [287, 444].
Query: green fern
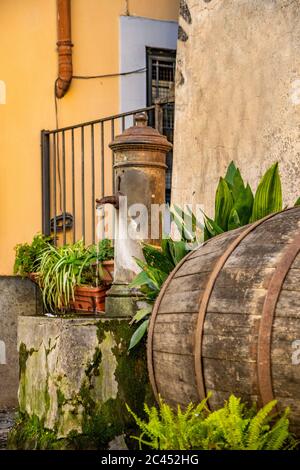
[278, 435]
[167, 429]
[258, 425]
[233, 427]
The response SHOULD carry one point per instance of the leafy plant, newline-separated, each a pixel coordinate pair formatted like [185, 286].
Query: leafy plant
[188, 226]
[159, 262]
[64, 268]
[95, 271]
[233, 427]
[268, 197]
[235, 204]
[28, 255]
[103, 251]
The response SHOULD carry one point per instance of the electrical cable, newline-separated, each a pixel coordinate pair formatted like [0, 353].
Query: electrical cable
[110, 75]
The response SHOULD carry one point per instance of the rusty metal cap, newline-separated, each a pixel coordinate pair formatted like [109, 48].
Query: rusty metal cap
[141, 136]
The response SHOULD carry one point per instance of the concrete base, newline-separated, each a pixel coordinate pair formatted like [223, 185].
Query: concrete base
[76, 376]
[17, 297]
[123, 301]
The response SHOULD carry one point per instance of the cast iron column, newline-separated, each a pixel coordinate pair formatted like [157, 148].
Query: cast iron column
[139, 172]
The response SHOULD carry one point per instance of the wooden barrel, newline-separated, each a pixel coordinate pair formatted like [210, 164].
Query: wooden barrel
[227, 319]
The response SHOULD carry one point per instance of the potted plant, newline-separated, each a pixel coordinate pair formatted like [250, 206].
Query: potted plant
[28, 255]
[89, 297]
[104, 255]
[70, 277]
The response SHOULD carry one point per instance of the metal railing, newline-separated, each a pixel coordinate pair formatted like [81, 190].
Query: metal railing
[77, 168]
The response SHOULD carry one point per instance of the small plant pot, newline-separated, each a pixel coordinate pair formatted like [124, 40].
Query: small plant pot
[100, 299]
[108, 268]
[89, 299]
[34, 277]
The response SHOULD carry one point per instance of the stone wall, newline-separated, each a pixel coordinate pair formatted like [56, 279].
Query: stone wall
[76, 376]
[17, 297]
[237, 94]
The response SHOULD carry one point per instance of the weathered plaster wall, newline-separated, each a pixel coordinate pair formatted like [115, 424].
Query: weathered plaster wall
[17, 297]
[237, 95]
[76, 376]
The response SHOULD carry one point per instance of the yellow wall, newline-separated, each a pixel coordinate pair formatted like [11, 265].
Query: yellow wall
[28, 66]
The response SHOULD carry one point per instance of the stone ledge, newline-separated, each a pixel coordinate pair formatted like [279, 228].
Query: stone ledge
[19, 296]
[76, 375]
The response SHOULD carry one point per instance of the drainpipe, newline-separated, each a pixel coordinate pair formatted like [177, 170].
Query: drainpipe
[64, 47]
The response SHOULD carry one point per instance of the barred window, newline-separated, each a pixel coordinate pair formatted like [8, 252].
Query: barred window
[160, 84]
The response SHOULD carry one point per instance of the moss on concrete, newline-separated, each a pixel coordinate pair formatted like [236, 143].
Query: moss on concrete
[23, 356]
[93, 367]
[111, 379]
[30, 433]
[61, 399]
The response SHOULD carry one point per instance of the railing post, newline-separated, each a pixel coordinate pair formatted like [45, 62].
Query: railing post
[45, 151]
[159, 115]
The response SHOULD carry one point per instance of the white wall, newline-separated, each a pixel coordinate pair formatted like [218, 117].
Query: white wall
[135, 34]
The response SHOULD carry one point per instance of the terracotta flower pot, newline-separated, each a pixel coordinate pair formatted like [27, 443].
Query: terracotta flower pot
[89, 299]
[107, 271]
[108, 268]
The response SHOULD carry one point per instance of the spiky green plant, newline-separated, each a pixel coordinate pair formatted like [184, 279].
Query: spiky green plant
[235, 204]
[233, 427]
[64, 268]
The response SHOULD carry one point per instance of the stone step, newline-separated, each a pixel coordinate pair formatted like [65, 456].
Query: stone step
[7, 418]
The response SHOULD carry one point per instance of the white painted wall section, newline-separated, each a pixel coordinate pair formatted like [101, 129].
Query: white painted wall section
[135, 35]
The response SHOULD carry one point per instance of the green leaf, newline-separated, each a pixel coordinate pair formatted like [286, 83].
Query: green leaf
[268, 197]
[211, 228]
[138, 334]
[243, 205]
[185, 222]
[166, 250]
[223, 204]
[142, 313]
[234, 220]
[177, 217]
[141, 279]
[231, 171]
[157, 276]
[297, 203]
[177, 250]
[156, 258]
[238, 187]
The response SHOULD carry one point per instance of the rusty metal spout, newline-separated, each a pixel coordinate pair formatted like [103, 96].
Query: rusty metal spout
[113, 200]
